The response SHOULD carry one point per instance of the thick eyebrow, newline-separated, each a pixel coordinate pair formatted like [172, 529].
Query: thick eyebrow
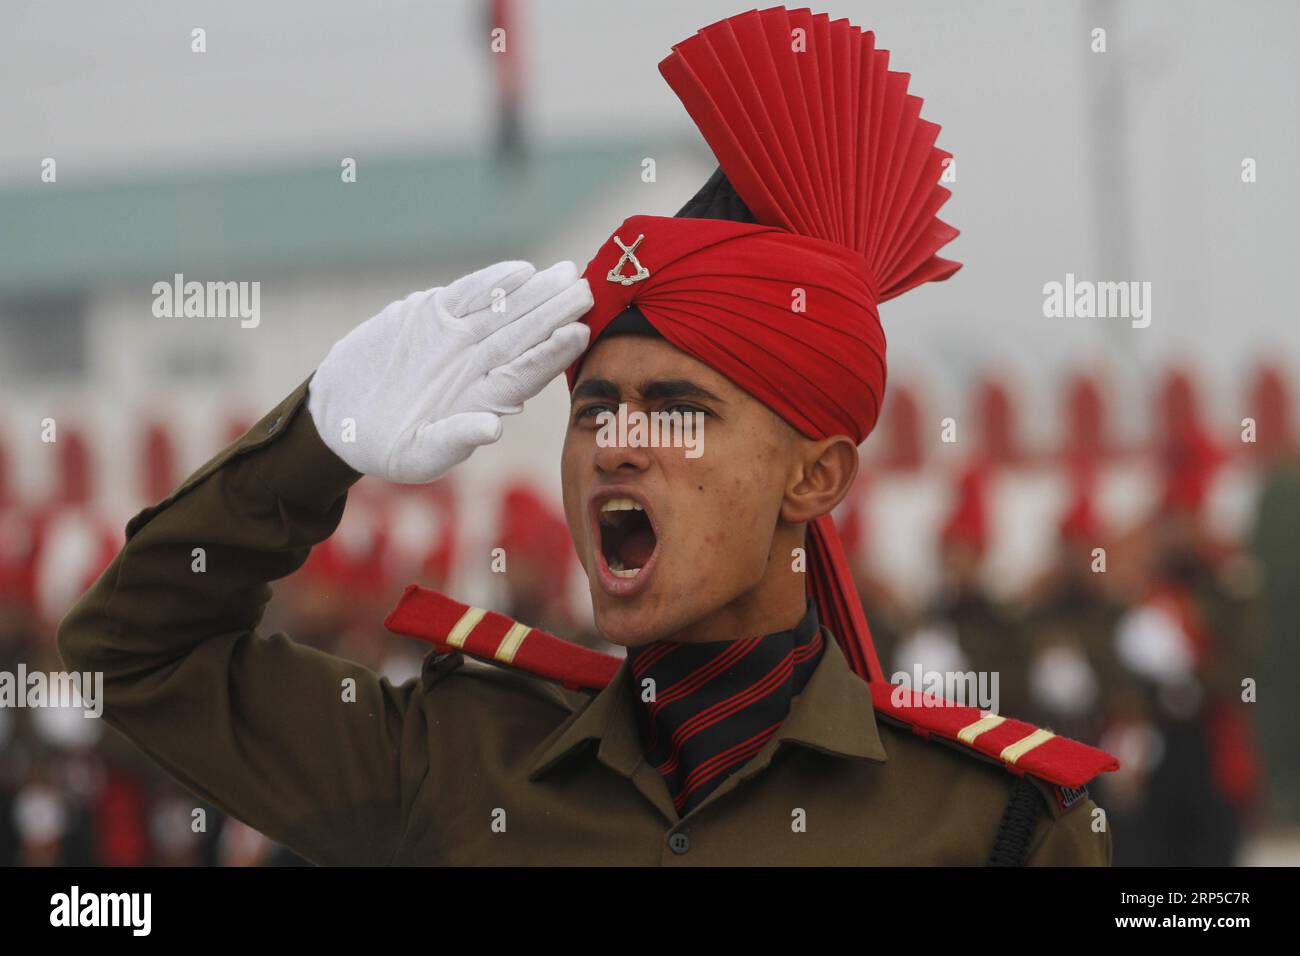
[657, 390]
[596, 388]
[662, 389]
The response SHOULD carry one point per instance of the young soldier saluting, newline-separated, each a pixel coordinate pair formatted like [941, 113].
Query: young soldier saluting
[750, 722]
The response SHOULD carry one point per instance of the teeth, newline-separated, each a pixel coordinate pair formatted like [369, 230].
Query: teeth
[619, 571]
[621, 504]
[609, 516]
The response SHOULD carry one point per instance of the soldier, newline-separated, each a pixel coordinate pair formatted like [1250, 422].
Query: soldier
[1071, 621]
[750, 722]
[967, 630]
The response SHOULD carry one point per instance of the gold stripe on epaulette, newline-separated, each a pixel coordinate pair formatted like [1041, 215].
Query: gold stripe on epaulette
[1013, 752]
[509, 645]
[968, 733]
[468, 621]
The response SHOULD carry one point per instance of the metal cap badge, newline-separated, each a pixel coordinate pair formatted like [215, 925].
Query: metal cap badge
[629, 255]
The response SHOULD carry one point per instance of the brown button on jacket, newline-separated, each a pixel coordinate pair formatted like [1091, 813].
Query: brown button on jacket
[471, 764]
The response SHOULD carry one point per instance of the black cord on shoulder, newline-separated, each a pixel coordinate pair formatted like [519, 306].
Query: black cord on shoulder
[1017, 827]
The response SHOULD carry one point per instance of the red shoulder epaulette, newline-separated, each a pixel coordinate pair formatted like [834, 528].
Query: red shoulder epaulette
[454, 627]
[1020, 747]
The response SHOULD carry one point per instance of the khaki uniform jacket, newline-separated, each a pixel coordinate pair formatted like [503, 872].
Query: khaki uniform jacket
[471, 764]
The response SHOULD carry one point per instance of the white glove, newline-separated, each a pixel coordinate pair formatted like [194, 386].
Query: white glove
[413, 391]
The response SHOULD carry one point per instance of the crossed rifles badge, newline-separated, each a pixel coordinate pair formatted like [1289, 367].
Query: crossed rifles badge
[629, 255]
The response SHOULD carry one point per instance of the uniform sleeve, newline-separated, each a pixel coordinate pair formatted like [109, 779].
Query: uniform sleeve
[1070, 840]
[303, 746]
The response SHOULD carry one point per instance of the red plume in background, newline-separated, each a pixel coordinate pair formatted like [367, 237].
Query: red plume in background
[158, 476]
[1079, 523]
[1190, 455]
[533, 529]
[1270, 406]
[73, 478]
[999, 441]
[902, 430]
[968, 520]
[1085, 440]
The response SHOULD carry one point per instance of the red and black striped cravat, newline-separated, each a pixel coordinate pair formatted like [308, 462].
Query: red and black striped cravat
[716, 704]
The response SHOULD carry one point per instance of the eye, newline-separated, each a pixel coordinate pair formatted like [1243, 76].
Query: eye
[687, 409]
[589, 413]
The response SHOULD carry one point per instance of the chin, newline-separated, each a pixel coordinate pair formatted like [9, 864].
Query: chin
[625, 624]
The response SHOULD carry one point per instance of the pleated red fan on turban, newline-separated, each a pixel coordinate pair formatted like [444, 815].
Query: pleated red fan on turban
[826, 149]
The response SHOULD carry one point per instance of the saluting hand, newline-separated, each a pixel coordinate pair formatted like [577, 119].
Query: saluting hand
[414, 390]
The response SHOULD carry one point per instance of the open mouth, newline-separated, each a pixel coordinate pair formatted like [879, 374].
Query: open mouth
[627, 536]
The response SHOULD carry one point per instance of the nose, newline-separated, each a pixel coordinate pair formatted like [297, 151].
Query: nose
[615, 456]
[624, 460]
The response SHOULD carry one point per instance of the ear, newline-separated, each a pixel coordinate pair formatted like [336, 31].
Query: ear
[823, 476]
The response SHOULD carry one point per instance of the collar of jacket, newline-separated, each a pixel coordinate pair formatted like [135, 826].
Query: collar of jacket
[833, 715]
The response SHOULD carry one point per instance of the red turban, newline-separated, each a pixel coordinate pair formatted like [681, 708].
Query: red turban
[726, 292]
[827, 150]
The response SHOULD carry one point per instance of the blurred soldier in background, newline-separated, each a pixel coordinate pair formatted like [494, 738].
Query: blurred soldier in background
[1189, 644]
[966, 629]
[1071, 624]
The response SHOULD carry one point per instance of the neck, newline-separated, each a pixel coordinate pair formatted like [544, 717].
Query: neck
[776, 603]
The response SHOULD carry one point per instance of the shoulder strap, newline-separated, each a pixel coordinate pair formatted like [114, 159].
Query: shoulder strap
[1019, 747]
[454, 627]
